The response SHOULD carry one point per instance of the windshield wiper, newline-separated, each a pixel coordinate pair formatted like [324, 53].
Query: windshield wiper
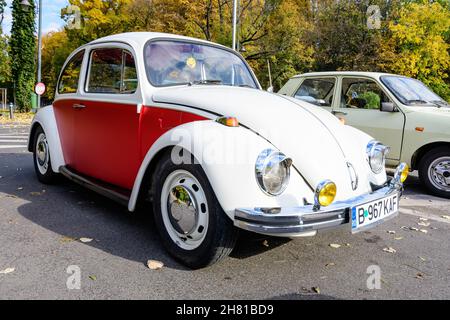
[440, 103]
[419, 101]
[208, 81]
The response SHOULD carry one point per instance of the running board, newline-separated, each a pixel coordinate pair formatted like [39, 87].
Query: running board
[113, 193]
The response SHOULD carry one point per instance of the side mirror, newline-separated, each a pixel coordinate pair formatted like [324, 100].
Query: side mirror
[387, 107]
[270, 89]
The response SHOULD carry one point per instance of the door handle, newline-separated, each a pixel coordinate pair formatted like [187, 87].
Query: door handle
[339, 112]
[78, 106]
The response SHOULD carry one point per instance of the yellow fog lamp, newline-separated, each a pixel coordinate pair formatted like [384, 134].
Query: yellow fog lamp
[325, 194]
[402, 172]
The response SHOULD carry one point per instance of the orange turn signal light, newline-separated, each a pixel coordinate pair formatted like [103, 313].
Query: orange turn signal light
[228, 121]
[420, 129]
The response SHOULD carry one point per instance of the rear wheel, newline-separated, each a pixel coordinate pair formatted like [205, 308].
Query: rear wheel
[41, 158]
[434, 171]
[191, 222]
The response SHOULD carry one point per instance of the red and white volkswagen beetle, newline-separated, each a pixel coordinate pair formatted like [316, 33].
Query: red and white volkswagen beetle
[183, 124]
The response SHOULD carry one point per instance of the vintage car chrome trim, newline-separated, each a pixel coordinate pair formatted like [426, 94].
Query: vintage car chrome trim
[303, 220]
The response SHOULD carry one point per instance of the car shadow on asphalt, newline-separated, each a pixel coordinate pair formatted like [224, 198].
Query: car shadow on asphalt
[74, 212]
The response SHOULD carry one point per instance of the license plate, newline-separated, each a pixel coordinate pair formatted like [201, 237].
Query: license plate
[370, 213]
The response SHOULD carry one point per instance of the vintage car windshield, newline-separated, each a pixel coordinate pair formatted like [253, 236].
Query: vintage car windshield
[171, 63]
[412, 92]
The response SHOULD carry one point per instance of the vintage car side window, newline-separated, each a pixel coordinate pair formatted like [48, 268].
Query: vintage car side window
[317, 91]
[113, 71]
[361, 93]
[68, 82]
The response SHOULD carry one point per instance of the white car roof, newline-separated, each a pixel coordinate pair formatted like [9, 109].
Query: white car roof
[344, 73]
[140, 38]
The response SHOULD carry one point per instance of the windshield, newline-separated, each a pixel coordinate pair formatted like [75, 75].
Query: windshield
[411, 91]
[171, 63]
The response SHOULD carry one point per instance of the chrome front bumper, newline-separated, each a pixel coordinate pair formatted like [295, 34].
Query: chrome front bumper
[304, 220]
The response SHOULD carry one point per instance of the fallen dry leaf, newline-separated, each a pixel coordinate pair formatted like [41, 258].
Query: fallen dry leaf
[446, 217]
[19, 188]
[423, 231]
[154, 265]
[348, 245]
[92, 277]
[398, 238]
[391, 231]
[86, 240]
[335, 245]
[423, 259]
[389, 250]
[7, 270]
[66, 239]
[331, 264]
[316, 290]
[265, 243]
[413, 229]
[424, 224]
[419, 276]
[423, 219]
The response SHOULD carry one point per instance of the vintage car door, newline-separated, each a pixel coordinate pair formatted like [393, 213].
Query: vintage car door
[65, 104]
[360, 103]
[319, 91]
[107, 118]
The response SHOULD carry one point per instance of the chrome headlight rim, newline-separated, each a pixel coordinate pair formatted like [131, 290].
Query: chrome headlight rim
[270, 157]
[377, 149]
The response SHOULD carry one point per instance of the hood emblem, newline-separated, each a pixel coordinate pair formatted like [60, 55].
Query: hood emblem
[353, 176]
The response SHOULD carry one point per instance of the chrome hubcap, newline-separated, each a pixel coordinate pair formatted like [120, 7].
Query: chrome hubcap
[184, 209]
[439, 173]
[42, 153]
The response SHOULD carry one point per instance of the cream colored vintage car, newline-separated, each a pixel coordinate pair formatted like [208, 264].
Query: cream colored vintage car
[400, 112]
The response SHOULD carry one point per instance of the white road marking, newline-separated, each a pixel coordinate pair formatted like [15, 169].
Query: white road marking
[13, 146]
[13, 141]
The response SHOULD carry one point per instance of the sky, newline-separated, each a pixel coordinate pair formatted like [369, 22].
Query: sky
[51, 15]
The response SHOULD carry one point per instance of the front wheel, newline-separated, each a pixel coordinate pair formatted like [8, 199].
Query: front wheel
[434, 171]
[193, 227]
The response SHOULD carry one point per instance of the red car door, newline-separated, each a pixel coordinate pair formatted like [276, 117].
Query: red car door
[106, 120]
[64, 105]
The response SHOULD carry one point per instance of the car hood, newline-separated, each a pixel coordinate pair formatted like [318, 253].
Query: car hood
[316, 141]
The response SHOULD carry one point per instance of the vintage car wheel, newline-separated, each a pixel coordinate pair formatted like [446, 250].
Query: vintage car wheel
[191, 222]
[434, 172]
[41, 157]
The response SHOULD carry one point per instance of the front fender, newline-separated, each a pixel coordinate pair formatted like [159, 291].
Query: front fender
[227, 156]
[45, 117]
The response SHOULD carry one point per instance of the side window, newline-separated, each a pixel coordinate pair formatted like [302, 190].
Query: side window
[113, 71]
[68, 82]
[317, 91]
[360, 93]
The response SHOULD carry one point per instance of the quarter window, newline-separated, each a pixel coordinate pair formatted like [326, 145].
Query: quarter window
[317, 91]
[68, 82]
[113, 71]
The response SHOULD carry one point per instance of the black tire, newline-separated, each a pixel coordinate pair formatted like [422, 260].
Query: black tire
[48, 176]
[221, 234]
[424, 167]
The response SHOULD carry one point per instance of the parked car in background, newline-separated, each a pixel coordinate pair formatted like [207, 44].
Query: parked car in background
[400, 112]
[182, 125]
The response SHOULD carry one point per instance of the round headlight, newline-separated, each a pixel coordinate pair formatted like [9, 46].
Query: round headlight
[273, 171]
[376, 153]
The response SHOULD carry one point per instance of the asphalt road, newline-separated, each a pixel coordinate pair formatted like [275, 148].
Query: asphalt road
[40, 227]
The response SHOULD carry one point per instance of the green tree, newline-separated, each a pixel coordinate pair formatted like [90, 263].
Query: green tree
[5, 70]
[419, 44]
[23, 44]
